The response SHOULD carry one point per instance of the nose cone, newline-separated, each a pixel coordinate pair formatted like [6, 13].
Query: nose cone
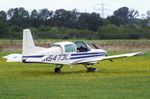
[102, 51]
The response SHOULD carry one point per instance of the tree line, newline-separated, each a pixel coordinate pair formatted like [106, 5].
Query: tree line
[64, 24]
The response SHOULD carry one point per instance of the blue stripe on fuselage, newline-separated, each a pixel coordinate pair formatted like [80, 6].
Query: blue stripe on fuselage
[40, 56]
[87, 54]
[80, 57]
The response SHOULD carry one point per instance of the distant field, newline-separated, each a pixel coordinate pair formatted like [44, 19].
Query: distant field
[127, 78]
[109, 45]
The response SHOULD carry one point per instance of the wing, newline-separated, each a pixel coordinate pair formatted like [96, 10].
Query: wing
[13, 58]
[96, 59]
[122, 55]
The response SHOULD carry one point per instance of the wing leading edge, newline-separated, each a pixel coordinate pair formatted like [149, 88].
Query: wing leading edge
[122, 56]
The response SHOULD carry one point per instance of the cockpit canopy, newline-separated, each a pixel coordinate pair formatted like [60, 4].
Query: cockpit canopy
[67, 47]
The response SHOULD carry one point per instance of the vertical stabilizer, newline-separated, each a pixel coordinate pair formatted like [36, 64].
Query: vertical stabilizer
[28, 43]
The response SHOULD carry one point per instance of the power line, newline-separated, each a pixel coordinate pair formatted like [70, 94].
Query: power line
[102, 9]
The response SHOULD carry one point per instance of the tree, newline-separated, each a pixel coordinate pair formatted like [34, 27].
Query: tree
[10, 13]
[73, 24]
[65, 18]
[45, 17]
[18, 16]
[3, 16]
[44, 14]
[34, 14]
[34, 19]
[148, 14]
[133, 14]
[132, 17]
[114, 20]
[90, 21]
[109, 31]
[122, 15]
[3, 30]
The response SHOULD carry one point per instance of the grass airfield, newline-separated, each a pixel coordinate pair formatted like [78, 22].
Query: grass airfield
[126, 78]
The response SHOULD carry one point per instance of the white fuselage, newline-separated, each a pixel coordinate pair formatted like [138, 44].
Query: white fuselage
[56, 55]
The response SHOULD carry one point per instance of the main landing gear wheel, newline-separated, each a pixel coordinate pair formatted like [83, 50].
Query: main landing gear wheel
[58, 68]
[90, 69]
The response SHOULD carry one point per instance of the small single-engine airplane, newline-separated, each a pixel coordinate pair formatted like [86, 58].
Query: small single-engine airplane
[62, 53]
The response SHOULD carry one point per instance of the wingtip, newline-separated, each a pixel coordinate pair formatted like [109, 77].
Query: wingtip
[142, 53]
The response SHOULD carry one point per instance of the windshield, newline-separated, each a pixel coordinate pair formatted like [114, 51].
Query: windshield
[81, 46]
[70, 48]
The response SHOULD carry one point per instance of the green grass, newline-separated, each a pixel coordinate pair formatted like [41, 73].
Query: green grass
[127, 78]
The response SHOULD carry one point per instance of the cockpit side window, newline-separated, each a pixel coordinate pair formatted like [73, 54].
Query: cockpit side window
[70, 48]
[81, 46]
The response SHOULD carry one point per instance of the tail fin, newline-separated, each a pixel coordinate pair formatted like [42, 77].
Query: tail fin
[28, 43]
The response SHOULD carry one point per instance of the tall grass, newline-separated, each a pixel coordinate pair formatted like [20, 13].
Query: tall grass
[110, 45]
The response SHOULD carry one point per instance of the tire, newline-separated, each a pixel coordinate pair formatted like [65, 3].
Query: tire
[90, 69]
[57, 70]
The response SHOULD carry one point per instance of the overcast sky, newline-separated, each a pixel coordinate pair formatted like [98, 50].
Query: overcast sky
[81, 5]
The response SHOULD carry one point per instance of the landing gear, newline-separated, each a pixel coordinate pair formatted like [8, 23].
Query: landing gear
[90, 69]
[58, 68]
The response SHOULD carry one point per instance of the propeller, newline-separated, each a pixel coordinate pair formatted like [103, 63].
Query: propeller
[95, 46]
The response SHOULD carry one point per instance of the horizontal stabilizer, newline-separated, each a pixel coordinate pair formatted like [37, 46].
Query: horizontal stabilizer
[13, 58]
